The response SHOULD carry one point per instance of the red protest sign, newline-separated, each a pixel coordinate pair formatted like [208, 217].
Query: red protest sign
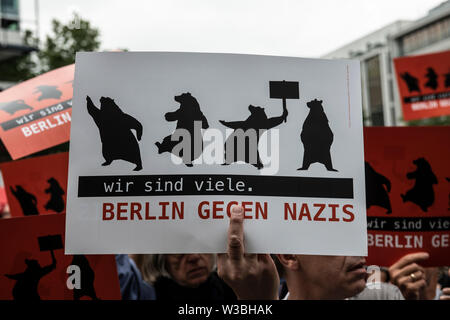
[37, 185]
[34, 266]
[424, 85]
[407, 193]
[36, 114]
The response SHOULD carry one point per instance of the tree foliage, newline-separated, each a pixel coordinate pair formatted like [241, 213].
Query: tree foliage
[67, 39]
[56, 51]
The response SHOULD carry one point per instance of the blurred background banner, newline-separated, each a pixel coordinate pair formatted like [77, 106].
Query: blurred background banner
[36, 185]
[36, 114]
[424, 85]
[34, 266]
[407, 193]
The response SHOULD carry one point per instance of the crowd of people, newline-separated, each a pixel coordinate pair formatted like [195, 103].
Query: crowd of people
[238, 275]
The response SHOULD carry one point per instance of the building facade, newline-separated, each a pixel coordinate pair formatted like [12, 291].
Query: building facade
[376, 51]
[11, 41]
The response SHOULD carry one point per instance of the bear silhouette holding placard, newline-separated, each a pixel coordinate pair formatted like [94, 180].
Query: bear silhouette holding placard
[186, 115]
[257, 121]
[316, 137]
[27, 282]
[422, 193]
[118, 141]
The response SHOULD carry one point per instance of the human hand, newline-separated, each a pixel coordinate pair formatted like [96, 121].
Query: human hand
[408, 276]
[445, 292]
[251, 276]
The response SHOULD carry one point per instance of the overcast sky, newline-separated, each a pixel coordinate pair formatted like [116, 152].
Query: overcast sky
[280, 27]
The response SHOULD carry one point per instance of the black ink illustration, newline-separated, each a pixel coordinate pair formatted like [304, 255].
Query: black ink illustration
[259, 123]
[56, 202]
[242, 144]
[27, 282]
[411, 81]
[187, 114]
[118, 141]
[447, 79]
[14, 106]
[377, 189]
[28, 201]
[432, 79]
[87, 279]
[422, 194]
[284, 90]
[316, 137]
[48, 92]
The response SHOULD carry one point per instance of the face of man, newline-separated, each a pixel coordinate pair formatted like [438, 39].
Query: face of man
[337, 276]
[189, 270]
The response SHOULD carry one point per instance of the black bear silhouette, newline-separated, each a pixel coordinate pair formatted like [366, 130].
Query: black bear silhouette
[48, 92]
[377, 188]
[422, 194]
[187, 114]
[432, 79]
[259, 123]
[316, 137]
[14, 106]
[26, 287]
[87, 278]
[447, 79]
[411, 81]
[118, 141]
[28, 201]
[56, 202]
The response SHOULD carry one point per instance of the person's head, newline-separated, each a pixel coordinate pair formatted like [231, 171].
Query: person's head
[323, 277]
[189, 270]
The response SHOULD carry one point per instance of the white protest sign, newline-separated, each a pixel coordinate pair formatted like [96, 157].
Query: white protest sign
[164, 144]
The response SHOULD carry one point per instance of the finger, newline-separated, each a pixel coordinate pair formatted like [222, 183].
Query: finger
[412, 269]
[410, 258]
[417, 285]
[251, 256]
[236, 234]
[221, 258]
[404, 280]
[264, 257]
[222, 265]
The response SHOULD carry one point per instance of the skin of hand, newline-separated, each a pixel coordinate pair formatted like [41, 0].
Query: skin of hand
[445, 292]
[409, 276]
[251, 276]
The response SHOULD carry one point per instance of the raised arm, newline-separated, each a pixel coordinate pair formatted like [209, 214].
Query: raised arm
[47, 269]
[172, 116]
[92, 110]
[251, 276]
[275, 121]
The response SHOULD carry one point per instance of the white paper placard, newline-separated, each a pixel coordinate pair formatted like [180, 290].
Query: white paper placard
[129, 191]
